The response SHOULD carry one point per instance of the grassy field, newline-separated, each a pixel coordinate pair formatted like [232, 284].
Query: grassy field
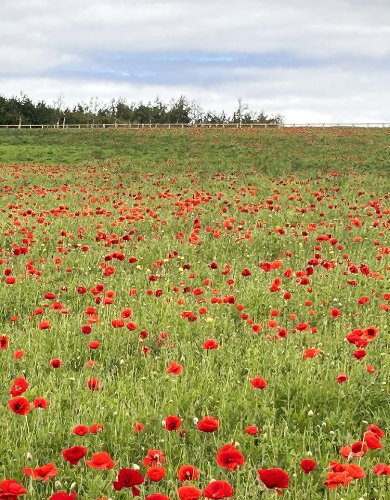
[150, 279]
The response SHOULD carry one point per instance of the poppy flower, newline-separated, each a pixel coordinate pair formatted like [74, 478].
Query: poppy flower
[208, 424]
[311, 353]
[95, 428]
[252, 430]
[44, 325]
[376, 430]
[381, 470]
[189, 493]
[370, 333]
[174, 368]
[187, 473]
[352, 470]
[19, 386]
[153, 458]
[3, 342]
[129, 478]
[93, 384]
[44, 472]
[74, 454]
[341, 378]
[210, 344]
[138, 427]
[276, 479]
[100, 460]
[335, 313]
[10, 489]
[372, 440]
[357, 449]
[55, 363]
[218, 489]
[63, 495]
[19, 405]
[40, 403]
[19, 354]
[172, 423]
[258, 383]
[336, 479]
[307, 465]
[81, 430]
[155, 474]
[229, 457]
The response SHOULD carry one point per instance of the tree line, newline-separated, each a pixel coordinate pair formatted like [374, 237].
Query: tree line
[23, 110]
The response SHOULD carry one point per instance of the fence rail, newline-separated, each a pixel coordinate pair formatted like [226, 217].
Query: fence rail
[190, 125]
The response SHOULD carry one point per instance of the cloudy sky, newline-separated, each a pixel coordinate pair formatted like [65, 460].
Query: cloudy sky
[310, 60]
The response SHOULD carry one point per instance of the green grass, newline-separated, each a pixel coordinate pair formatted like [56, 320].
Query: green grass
[274, 151]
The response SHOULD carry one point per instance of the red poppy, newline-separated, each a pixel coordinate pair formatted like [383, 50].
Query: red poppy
[172, 423]
[187, 473]
[276, 479]
[307, 465]
[19, 405]
[218, 489]
[229, 457]
[129, 478]
[208, 424]
[44, 325]
[336, 479]
[95, 428]
[372, 440]
[44, 472]
[189, 493]
[55, 363]
[155, 474]
[100, 460]
[252, 430]
[174, 368]
[335, 313]
[19, 386]
[81, 430]
[258, 383]
[74, 454]
[3, 342]
[40, 403]
[153, 458]
[341, 378]
[10, 489]
[376, 430]
[94, 384]
[138, 427]
[359, 354]
[311, 353]
[63, 495]
[381, 470]
[210, 344]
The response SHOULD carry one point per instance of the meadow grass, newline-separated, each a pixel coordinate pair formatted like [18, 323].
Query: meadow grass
[195, 208]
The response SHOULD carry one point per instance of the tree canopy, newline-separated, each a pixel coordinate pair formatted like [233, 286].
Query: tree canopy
[22, 109]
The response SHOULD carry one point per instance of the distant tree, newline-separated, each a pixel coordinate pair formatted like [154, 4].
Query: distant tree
[179, 111]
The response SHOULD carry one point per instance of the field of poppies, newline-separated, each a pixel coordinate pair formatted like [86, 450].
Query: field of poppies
[194, 314]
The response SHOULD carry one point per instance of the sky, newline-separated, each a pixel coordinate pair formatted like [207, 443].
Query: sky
[309, 60]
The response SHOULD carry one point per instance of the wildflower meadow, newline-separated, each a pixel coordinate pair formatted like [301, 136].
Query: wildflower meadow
[194, 314]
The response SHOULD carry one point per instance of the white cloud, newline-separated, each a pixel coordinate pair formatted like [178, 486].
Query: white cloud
[39, 38]
[301, 95]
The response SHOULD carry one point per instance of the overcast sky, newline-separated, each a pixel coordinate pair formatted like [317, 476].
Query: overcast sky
[310, 60]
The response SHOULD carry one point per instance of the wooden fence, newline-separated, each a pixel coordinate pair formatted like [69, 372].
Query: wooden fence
[189, 125]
